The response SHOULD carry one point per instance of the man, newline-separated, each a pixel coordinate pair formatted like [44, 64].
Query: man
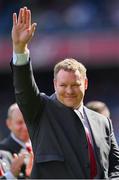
[69, 140]
[18, 140]
[100, 107]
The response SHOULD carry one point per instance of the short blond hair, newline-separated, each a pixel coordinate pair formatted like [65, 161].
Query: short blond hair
[70, 65]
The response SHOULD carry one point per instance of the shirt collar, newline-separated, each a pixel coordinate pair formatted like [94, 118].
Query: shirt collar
[18, 141]
[80, 109]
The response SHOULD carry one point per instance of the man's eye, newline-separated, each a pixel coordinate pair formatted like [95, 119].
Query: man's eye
[76, 85]
[62, 85]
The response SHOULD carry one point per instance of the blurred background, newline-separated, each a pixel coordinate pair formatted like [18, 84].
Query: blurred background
[87, 30]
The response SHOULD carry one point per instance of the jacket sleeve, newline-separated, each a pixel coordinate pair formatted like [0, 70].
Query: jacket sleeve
[113, 156]
[27, 94]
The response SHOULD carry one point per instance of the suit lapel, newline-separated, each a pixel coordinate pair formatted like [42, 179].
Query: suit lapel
[15, 147]
[94, 123]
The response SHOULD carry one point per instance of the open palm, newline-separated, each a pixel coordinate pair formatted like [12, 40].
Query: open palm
[22, 30]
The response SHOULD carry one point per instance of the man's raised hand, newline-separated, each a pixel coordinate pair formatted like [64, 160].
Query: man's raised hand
[22, 30]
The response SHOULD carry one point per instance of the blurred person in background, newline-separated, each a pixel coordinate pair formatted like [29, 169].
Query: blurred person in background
[58, 122]
[18, 140]
[10, 166]
[100, 107]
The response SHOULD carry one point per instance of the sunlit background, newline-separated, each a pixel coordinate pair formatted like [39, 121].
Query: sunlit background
[87, 30]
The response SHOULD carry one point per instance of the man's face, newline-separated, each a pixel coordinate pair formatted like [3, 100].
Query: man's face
[70, 87]
[17, 125]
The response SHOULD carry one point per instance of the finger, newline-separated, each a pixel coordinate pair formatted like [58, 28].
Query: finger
[22, 155]
[20, 16]
[28, 18]
[33, 28]
[24, 15]
[15, 155]
[14, 19]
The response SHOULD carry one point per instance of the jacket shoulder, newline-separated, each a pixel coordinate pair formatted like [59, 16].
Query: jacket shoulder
[9, 144]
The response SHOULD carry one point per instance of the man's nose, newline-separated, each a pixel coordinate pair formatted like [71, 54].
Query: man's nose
[69, 90]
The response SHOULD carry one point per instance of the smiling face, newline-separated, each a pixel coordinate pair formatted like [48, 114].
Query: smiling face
[70, 87]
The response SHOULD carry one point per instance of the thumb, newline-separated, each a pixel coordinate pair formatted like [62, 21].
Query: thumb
[33, 28]
[15, 156]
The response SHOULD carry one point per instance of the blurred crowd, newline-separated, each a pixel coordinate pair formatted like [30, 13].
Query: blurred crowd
[65, 16]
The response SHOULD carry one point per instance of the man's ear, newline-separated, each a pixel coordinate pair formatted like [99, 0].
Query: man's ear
[54, 82]
[86, 83]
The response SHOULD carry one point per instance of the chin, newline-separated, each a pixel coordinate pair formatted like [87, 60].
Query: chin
[69, 105]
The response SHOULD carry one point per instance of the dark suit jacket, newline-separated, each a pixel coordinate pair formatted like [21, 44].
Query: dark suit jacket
[57, 134]
[10, 145]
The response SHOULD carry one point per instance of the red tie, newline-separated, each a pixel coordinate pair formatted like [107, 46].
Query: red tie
[93, 168]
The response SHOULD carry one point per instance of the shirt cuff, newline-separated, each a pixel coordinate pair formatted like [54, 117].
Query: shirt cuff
[9, 175]
[21, 59]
